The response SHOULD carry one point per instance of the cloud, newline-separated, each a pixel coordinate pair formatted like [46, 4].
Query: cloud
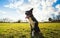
[58, 9]
[42, 8]
[2, 12]
[58, 6]
[14, 3]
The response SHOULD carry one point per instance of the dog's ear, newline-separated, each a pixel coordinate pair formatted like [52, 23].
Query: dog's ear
[31, 10]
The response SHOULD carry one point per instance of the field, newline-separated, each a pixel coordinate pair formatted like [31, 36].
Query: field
[22, 30]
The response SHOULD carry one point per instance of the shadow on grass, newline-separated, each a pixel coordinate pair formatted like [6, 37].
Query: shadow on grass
[39, 35]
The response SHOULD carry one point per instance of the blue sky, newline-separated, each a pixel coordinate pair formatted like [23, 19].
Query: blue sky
[7, 12]
[57, 2]
[10, 12]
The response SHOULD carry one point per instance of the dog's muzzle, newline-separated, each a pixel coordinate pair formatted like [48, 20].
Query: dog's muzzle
[27, 16]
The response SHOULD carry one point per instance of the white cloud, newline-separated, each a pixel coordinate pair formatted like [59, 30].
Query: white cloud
[41, 14]
[58, 9]
[14, 3]
[58, 6]
[2, 12]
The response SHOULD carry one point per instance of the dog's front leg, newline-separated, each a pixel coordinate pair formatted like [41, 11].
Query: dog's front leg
[31, 22]
[32, 27]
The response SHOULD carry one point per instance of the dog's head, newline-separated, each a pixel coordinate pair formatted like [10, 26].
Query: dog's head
[29, 13]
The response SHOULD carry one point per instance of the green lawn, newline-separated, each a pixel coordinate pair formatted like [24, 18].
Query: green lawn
[22, 30]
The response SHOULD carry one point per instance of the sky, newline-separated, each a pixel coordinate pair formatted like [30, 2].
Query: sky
[15, 9]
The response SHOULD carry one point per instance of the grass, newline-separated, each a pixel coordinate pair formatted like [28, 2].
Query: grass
[22, 30]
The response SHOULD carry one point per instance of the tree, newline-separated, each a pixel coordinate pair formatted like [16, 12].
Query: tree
[50, 19]
[18, 21]
[58, 16]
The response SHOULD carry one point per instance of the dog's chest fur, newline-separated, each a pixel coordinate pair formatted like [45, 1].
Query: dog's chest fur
[31, 21]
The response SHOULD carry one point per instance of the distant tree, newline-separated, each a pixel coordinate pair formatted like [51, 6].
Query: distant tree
[18, 21]
[58, 17]
[5, 20]
[1, 21]
[50, 19]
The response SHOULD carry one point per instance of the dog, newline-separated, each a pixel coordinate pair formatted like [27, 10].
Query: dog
[33, 21]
